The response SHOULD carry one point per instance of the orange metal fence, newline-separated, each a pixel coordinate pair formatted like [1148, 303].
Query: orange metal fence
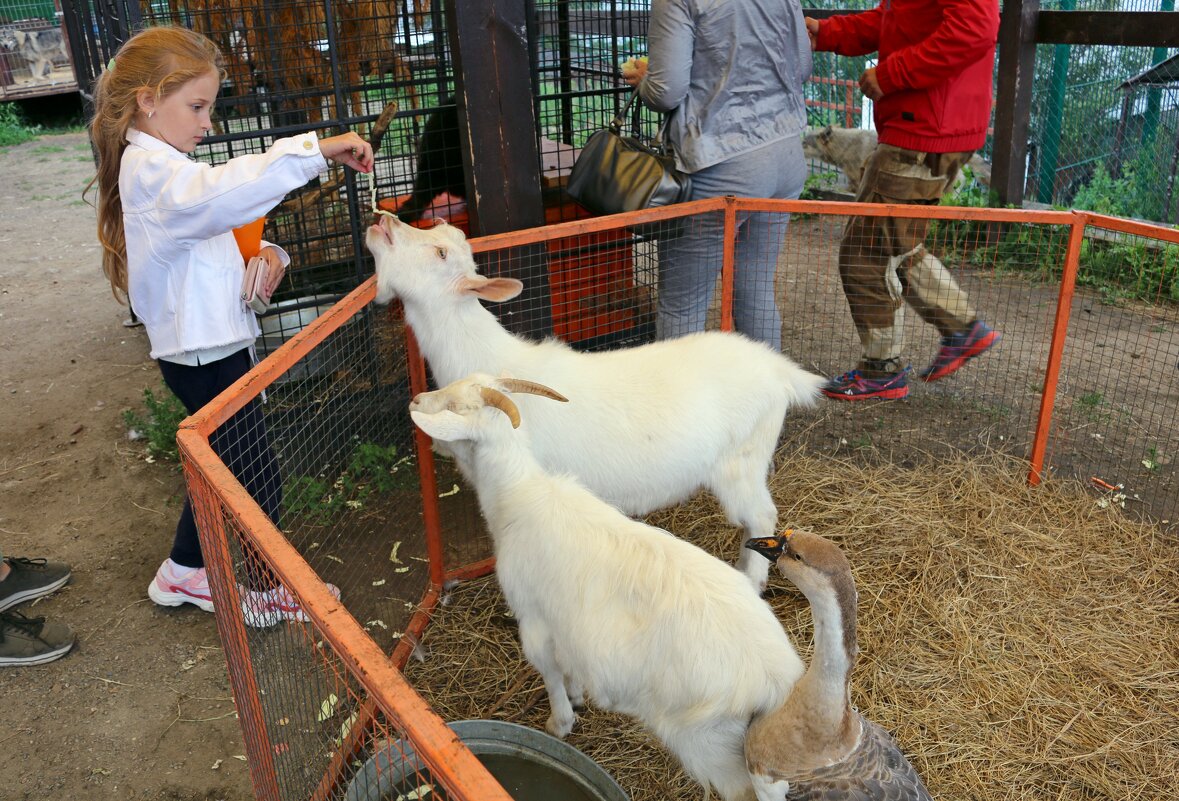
[1083, 384]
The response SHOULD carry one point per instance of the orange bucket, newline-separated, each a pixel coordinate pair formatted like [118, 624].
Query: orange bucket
[249, 238]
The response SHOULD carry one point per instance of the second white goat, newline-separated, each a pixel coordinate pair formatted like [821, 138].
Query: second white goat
[646, 427]
[642, 622]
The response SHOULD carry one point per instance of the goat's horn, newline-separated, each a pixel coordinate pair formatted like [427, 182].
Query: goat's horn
[532, 388]
[493, 397]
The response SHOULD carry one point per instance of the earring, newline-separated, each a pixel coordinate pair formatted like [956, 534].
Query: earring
[149, 114]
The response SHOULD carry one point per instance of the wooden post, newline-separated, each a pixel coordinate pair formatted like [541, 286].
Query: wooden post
[1017, 66]
[500, 155]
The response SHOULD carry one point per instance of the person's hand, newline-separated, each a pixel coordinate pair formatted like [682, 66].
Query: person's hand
[348, 149]
[869, 85]
[634, 70]
[812, 30]
[274, 271]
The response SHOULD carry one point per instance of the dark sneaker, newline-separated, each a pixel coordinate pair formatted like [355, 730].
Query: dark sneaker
[853, 386]
[32, 641]
[957, 349]
[31, 579]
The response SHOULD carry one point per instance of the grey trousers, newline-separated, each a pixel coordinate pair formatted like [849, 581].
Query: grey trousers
[690, 264]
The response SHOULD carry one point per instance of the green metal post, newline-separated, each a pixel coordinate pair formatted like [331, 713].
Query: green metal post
[1154, 94]
[1053, 128]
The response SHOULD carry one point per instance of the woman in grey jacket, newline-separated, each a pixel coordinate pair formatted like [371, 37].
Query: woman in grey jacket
[732, 73]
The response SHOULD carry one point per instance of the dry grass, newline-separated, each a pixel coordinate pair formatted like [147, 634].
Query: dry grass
[1021, 642]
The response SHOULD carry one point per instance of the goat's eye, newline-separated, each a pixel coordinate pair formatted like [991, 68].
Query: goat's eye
[797, 557]
[441, 253]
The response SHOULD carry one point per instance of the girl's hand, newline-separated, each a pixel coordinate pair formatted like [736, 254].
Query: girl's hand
[348, 149]
[274, 271]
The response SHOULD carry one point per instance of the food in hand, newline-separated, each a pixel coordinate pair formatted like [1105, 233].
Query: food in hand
[632, 64]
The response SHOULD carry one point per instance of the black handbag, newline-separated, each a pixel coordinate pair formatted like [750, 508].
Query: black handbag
[616, 173]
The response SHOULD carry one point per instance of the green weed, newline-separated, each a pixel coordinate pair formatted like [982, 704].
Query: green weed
[158, 423]
[817, 182]
[860, 442]
[1131, 270]
[372, 469]
[1092, 406]
[1154, 459]
[14, 128]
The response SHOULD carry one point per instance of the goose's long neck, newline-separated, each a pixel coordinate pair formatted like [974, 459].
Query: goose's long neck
[820, 703]
[827, 680]
[816, 724]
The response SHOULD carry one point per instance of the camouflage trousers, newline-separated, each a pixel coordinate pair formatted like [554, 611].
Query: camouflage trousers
[883, 261]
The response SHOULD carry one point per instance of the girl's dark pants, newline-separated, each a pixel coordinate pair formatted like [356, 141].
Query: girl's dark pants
[241, 443]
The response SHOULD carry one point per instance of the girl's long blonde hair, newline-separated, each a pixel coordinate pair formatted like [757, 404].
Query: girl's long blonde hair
[160, 60]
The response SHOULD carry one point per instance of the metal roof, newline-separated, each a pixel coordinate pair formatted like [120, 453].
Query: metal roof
[1166, 71]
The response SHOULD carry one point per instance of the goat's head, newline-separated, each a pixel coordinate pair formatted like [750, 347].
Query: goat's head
[429, 264]
[468, 408]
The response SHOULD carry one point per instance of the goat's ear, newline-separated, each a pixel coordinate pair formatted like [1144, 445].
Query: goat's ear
[492, 289]
[445, 425]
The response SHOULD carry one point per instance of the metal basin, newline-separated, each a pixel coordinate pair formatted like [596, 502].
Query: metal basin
[529, 764]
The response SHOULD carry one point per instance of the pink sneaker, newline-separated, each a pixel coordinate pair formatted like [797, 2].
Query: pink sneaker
[268, 607]
[169, 589]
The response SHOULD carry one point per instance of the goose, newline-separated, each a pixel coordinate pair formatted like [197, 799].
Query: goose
[816, 746]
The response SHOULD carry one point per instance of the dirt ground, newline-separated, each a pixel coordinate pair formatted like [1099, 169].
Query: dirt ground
[141, 709]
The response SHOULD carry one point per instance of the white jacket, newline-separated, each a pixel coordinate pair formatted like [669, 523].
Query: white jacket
[184, 270]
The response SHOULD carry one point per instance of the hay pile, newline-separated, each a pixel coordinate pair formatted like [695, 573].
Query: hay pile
[1021, 642]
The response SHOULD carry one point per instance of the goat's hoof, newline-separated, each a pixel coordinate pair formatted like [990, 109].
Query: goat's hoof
[559, 729]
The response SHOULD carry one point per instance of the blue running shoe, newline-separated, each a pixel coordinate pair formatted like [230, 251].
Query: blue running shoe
[854, 386]
[957, 349]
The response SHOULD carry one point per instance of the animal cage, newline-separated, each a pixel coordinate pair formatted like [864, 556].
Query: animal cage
[34, 51]
[1078, 389]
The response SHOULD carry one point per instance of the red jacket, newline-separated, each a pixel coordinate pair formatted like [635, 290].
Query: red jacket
[935, 68]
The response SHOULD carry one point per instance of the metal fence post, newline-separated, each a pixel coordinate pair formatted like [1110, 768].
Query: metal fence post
[1068, 282]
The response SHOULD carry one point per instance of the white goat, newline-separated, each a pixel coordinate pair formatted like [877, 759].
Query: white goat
[642, 622]
[648, 426]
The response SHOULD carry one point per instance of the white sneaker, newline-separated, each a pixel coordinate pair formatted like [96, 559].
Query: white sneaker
[262, 609]
[169, 589]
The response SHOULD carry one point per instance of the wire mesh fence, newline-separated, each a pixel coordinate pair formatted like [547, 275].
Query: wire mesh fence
[333, 465]
[1083, 388]
[1104, 131]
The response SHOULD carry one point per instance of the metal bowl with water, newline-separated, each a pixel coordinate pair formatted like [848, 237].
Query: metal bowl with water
[529, 764]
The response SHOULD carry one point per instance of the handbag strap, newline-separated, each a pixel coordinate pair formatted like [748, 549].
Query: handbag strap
[619, 120]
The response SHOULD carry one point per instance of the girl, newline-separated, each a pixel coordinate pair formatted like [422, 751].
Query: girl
[165, 223]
